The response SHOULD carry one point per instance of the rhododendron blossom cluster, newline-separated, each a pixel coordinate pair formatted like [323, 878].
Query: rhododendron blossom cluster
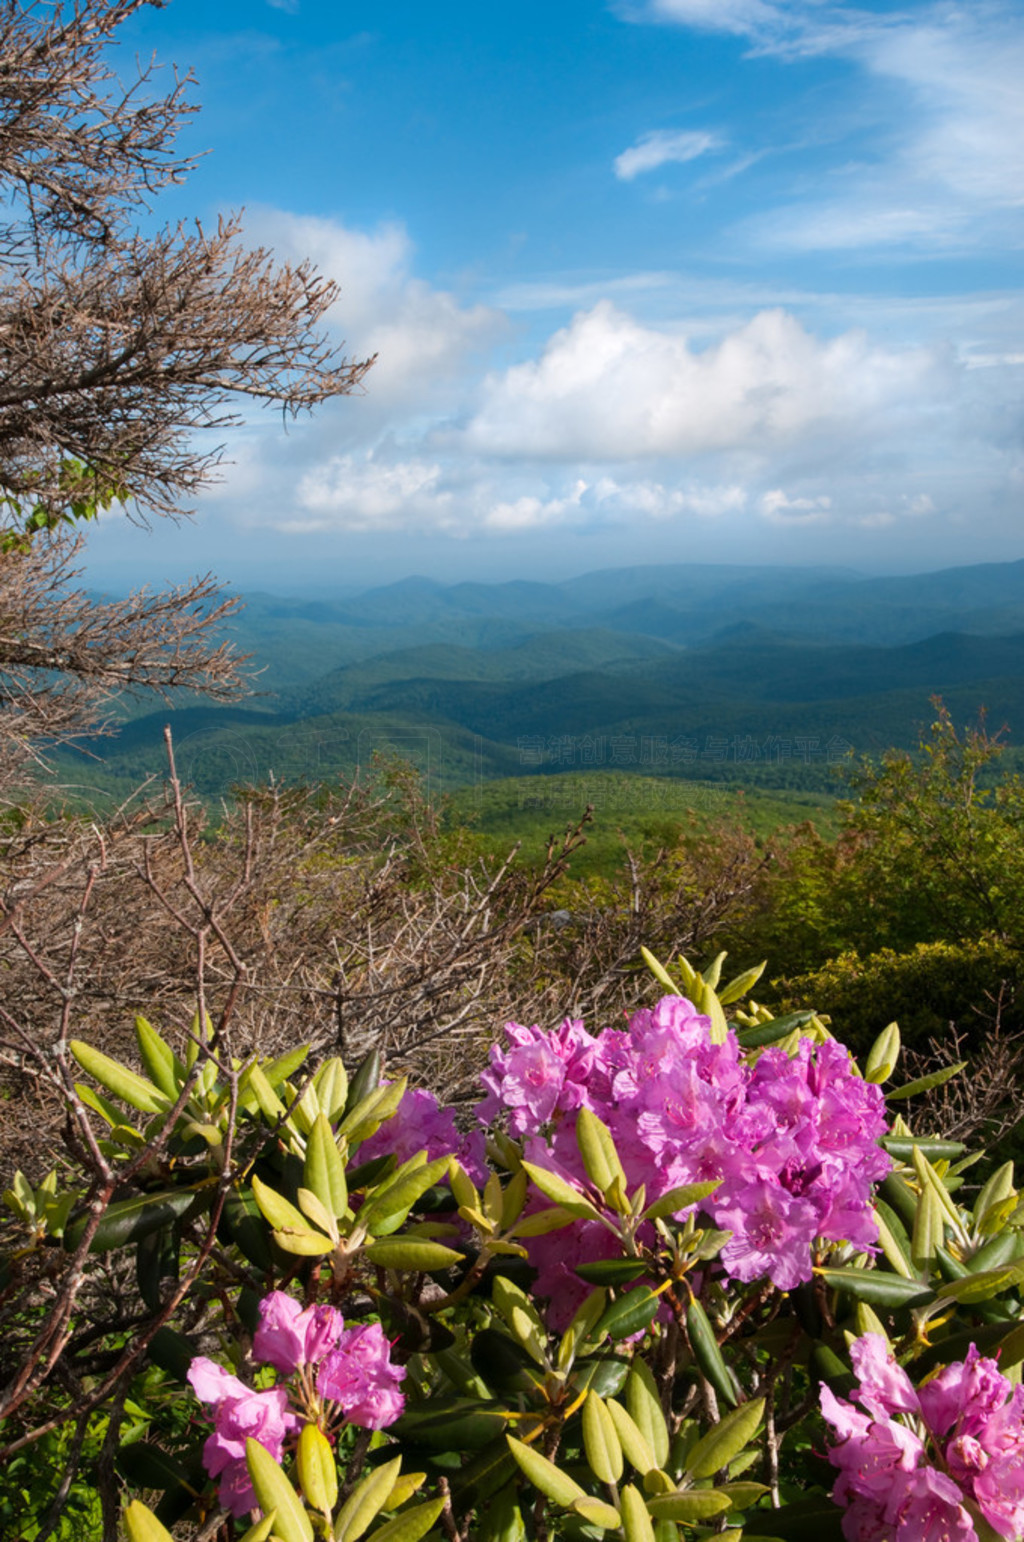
[332, 1372]
[793, 1139]
[917, 1460]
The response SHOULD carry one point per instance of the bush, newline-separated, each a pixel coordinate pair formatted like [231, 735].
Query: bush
[612, 1305]
[932, 988]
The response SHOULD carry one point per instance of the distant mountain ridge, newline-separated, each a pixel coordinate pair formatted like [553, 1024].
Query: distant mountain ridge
[658, 663]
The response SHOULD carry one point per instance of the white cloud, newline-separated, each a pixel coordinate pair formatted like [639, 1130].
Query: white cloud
[422, 335]
[945, 159]
[660, 148]
[780, 509]
[350, 492]
[608, 388]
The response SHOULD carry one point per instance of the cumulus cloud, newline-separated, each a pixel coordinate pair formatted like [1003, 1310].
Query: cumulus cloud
[422, 335]
[352, 492]
[609, 388]
[660, 148]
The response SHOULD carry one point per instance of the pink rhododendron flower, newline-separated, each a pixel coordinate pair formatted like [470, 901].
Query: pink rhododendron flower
[239, 1413]
[909, 1465]
[290, 1336]
[360, 1376]
[793, 1139]
[421, 1124]
[353, 1369]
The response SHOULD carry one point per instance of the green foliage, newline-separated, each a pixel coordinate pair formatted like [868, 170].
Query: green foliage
[924, 990]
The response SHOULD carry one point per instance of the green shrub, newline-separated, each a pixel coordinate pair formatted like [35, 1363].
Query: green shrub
[925, 990]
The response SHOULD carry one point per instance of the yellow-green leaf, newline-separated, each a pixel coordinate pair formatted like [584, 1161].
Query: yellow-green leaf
[331, 1083]
[323, 1170]
[597, 1148]
[163, 1065]
[142, 1525]
[411, 1525]
[127, 1085]
[544, 1475]
[366, 1501]
[725, 1440]
[636, 1518]
[314, 1461]
[598, 1513]
[412, 1253]
[695, 1504]
[635, 1446]
[600, 1440]
[644, 1407]
[563, 1193]
[274, 1492]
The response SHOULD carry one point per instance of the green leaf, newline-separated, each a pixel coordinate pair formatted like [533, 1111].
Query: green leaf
[366, 1501]
[331, 1085]
[563, 1193]
[274, 1492]
[635, 1446]
[636, 1518]
[983, 1285]
[597, 1148]
[876, 1287]
[740, 984]
[707, 1353]
[314, 1462]
[323, 1171]
[412, 1254]
[611, 1271]
[997, 1189]
[772, 1031]
[386, 1211]
[725, 1440]
[544, 1475]
[365, 1081]
[883, 1054]
[142, 1525]
[902, 1146]
[680, 1199]
[452, 1423]
[522, 1318]
[598, 1513]
[925, 1084]
[698, 1504]
[127, 1085]
[891, 1239]
[163, 1065]
[630, 1314]
[126, 1220]
[644, 1407]
[600, 1440]
[291, 1229]
[411, 1525]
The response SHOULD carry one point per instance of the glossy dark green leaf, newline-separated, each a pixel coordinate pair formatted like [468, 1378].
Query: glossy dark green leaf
[126, 1220]
[611, 1271]
[630, 1314]
[877, 1287]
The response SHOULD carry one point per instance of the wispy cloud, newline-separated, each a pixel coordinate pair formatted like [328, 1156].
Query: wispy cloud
[942, 153]
[661, 148]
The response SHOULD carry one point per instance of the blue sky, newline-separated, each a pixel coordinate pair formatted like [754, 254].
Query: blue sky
[733, 280]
